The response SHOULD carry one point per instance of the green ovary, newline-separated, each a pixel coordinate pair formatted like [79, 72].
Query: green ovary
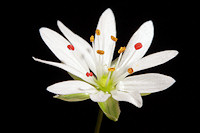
[103, 86]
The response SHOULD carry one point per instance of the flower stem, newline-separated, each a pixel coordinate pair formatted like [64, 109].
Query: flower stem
[99, 120]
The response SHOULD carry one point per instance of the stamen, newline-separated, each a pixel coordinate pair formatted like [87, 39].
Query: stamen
[92, 38]
[114, 38]
[97, 31]
[101, 52]
[138, 46]
[130, 70]
[111, 69]
[70, 47]
[121, 50]
[89, 74]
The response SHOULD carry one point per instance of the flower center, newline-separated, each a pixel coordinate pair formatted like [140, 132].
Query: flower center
[105, 84]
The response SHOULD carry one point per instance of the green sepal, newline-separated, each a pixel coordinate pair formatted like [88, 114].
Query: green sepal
[144, 94]
[110, 108]
[73, 97]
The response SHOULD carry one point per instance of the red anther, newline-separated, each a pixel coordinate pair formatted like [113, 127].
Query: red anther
[87, 74]
[91, 74]
[138, 46]
[70, 47]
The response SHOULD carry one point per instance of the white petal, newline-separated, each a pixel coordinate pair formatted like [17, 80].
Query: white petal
[107, 28]
[153, 60]
[100, 96]
[72, 37]
[71, 87]
[145, 83]
[77, 72]
[80, 44]
[143, 35]
[131, 97]
[58, 45]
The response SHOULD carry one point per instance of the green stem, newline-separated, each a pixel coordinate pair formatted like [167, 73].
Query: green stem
[99, 121]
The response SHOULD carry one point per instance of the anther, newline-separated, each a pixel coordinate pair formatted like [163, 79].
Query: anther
[97, 31]
[121, 50]
[101, 52]
[114, 38]
[138, 46]
[92, 38]
[89, 74]
[70, 47]
[130, 70]
[111, 69]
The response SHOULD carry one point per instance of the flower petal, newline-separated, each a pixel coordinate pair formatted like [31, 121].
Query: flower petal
[143, 35]
[153, 60]
[71, 87]
[73, 38]
[107, 28]
[77, 72]
[100, 96]
[131, 97]
[145, 83]
[80, 44]
[59, 46]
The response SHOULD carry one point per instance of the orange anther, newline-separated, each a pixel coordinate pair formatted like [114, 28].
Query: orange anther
[121, 50]
[114, 38]
[97, 31]
[130, 70]
[111, 69]
[101, 52]
[92, 38]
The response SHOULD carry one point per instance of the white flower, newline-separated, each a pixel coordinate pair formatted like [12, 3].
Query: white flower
[101, 77]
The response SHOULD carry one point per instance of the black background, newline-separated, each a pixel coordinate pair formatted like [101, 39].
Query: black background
[173, 110]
